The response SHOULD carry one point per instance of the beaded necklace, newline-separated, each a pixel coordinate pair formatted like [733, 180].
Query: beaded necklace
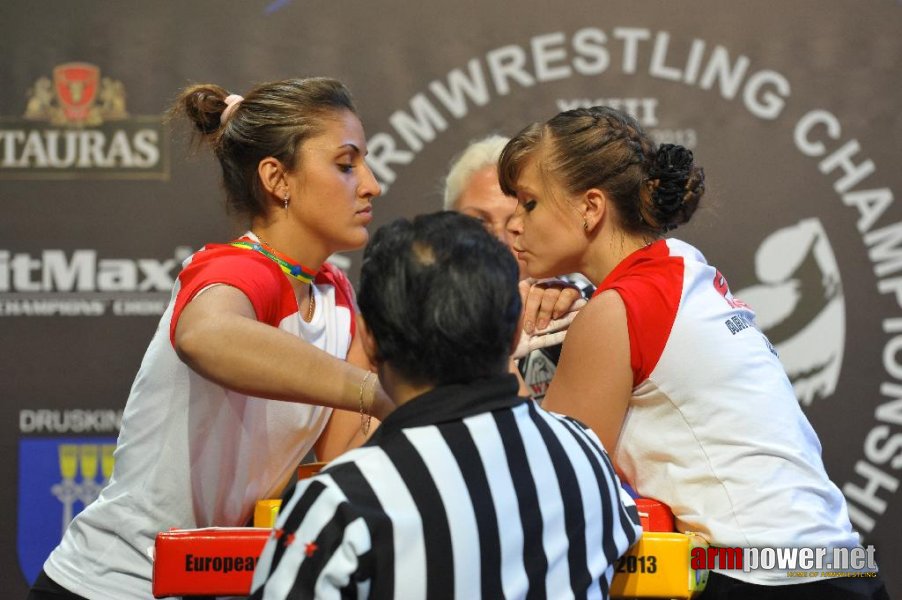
[298, 271]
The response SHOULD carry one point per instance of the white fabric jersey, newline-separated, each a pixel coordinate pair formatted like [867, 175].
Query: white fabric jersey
[190, 452]
[713, 428]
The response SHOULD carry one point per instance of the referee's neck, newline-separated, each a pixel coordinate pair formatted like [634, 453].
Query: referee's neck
[398, 388]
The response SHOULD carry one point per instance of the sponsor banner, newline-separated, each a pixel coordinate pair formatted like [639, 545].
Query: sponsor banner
[55, 283]
[75, 126]
[46, 421]
[80, 283]
[58, 477]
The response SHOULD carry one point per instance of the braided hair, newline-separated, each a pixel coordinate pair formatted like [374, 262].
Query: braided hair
[655, 189]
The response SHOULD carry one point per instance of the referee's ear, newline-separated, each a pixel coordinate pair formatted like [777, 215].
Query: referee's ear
[368, 341]
[518, 332]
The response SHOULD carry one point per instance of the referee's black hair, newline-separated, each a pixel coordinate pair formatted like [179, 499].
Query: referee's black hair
[439, 294]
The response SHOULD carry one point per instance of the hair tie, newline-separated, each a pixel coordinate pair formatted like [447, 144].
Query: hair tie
[231, 101]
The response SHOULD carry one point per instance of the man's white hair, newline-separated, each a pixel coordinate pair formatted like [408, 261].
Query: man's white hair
[475, 157]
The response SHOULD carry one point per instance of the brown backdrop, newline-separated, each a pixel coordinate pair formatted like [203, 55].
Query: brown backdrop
[791, 108]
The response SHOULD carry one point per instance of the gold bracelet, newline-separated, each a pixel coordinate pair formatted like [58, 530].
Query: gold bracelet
[365, 417]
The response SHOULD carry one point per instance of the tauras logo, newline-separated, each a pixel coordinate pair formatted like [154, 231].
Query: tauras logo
[77, 125]
[131, 147]
[80, 283]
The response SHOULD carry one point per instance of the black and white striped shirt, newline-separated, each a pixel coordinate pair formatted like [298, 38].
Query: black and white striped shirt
[464, 492]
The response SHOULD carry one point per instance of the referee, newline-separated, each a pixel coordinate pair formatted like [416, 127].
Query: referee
[466, 490]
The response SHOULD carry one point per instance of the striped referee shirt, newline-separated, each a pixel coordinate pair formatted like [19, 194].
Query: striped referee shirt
[466, 491]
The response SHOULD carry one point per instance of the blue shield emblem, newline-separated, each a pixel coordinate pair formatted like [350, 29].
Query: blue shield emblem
[58, 477]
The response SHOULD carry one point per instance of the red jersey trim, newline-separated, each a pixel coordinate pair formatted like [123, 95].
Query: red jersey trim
[258, 278]
[650, 283]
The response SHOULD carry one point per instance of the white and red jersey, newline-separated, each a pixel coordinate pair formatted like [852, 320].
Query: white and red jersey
[192, 453]
[713, 427]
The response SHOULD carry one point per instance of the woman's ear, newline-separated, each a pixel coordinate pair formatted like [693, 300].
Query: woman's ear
[272, 177]
[594, 207]
[518, 334]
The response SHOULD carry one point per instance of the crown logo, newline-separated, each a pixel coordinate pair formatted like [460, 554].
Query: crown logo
[77, 97]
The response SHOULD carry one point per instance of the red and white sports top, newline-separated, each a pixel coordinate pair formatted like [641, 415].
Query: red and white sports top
[713, 427]
[190, 452]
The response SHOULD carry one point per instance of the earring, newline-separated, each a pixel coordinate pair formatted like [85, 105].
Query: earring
[285, 202]
[585, 225]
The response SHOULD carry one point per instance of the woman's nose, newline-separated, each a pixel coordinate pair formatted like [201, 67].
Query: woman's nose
[369, 186]
[515, 223]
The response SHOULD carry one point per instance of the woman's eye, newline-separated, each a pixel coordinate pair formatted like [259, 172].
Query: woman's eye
[345, 168]
[529, 205]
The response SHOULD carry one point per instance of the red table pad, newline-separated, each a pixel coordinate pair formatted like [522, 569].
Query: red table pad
[216, 561]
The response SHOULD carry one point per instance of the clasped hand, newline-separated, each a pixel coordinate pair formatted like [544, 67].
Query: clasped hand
[549, 306]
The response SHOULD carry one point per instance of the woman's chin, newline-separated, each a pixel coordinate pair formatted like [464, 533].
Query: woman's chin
[536, 272]
[355, 241]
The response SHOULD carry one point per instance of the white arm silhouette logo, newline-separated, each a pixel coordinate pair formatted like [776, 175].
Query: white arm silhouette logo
[800, 306]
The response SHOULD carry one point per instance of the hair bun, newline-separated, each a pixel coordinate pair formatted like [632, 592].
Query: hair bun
[670, 173]
[673, 158]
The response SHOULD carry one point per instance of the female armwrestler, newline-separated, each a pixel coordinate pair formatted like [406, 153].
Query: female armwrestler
[664, 363]
[256, 348]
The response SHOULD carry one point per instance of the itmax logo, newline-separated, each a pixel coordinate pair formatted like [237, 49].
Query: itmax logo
[82, 284]
[807, 562]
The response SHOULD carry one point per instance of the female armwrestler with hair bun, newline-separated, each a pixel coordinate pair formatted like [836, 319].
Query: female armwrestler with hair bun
[664, 363]
[261, 319]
